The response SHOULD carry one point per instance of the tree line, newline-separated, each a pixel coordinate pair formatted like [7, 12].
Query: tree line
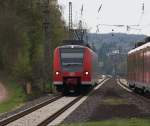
[22, 40]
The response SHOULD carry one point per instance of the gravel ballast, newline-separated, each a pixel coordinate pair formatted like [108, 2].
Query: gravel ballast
[27, 105]
[108, 102]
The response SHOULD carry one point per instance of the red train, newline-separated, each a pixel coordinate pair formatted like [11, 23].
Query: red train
[75, 68]
[139, 68]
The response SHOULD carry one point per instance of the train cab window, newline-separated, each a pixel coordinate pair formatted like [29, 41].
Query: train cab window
[72, 59]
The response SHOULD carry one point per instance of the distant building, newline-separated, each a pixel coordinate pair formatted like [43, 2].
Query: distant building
[115, 52]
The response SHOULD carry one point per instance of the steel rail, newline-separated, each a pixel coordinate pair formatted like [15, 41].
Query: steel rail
[147, 98]
[27, 111]
[36, 107]
[59, 112]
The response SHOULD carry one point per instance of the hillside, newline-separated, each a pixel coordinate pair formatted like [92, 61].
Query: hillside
[119, 39]
[112, 50]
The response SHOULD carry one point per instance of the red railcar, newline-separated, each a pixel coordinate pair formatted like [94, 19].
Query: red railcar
[139, 67]
[75, 67]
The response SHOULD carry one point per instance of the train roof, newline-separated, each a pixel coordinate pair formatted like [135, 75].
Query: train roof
[75, 42]
[72, 42]
[72, 46]
[75, 46]
[139, 48]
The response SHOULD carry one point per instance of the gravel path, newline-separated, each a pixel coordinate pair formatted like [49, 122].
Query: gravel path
[108, 102]
[3, 93]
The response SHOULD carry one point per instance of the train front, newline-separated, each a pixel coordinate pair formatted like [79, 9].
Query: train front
[72, 68]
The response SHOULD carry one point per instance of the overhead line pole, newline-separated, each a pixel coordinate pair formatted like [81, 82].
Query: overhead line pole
[70, 20]
[45, 4]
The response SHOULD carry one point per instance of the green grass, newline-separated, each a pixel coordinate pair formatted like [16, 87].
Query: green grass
[16, 97]
[115, 122]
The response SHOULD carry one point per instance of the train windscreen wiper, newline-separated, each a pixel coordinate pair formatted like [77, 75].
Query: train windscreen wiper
[72, 64]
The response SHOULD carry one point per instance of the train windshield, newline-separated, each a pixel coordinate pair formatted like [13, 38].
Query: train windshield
[72, 59]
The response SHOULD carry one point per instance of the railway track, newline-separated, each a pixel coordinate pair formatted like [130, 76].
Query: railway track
[127, 88]
[44, 113]
[68, 110]
[27, 111]
[59, 112]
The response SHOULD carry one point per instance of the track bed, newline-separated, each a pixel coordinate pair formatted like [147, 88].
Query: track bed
[109, 102]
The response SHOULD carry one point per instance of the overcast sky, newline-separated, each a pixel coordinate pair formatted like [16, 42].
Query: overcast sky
[113, 12]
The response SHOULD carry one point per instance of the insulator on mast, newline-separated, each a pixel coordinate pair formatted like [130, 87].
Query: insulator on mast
[143, 8]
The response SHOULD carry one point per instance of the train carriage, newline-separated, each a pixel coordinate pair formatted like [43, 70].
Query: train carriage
[75, 68]
[139, 67]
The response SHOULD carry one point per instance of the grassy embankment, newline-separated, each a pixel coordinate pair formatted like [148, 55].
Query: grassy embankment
[115, 122]
[16, 97]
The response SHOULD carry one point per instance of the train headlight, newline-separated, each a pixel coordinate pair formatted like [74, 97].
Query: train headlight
[57, 73]
[86, 73]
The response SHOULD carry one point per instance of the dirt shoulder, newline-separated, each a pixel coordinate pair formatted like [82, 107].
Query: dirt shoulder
[3, 93]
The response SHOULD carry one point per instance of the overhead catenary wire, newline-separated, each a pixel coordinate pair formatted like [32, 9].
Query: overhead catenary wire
[137, 27]
[99, 9]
